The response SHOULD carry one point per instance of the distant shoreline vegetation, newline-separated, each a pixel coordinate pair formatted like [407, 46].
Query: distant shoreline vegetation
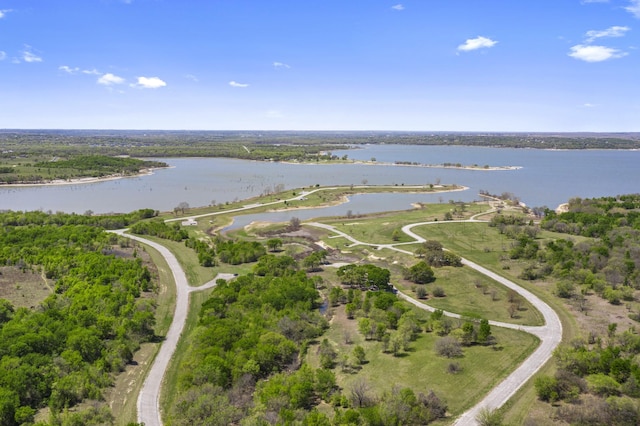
[25, 170]
[76, 156]
[248, 144]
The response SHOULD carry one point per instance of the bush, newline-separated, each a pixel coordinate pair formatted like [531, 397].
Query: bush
[547, 388]
[421, 292]
[601, 384]
[454, 368]
[448, 347]
[438, 292]
[564, 289]
[420, 273]
[488, 417]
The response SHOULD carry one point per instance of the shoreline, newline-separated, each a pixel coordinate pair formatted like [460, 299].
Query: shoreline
[344, 199]
[81, 181]
[441, 166]
[147, 172]
[388, 164]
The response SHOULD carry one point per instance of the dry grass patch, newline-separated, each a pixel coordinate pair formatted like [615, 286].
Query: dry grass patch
[23, 288]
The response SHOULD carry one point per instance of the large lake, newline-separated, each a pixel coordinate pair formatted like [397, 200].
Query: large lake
[546, 178]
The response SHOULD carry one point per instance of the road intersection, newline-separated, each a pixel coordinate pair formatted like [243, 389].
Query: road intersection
[550, 334]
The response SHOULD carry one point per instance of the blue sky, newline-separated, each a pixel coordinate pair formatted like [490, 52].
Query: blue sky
[424, 65]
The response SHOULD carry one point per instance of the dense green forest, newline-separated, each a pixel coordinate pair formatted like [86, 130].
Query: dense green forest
[102, 164]
[605, 259]
[9, 219]
[245, 359]
[35, 169]
[68, 347]
[598, 377]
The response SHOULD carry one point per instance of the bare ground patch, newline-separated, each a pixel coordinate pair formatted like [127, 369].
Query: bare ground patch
[23, 287]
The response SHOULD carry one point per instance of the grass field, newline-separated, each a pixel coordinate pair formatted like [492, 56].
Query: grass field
[422, 370]
[419, 368]
[470, 293]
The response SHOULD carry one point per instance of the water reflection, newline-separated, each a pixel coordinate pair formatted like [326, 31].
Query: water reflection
[357, 204]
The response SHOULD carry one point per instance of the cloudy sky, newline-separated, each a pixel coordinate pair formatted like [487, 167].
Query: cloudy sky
[441, 65]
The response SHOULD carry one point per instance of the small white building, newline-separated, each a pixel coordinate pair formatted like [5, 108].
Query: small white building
[189, 222]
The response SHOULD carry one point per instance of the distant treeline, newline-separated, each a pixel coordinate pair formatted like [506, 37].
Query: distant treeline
[280, 145]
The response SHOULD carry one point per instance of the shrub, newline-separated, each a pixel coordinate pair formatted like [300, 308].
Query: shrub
[438, 292]
[448, 347]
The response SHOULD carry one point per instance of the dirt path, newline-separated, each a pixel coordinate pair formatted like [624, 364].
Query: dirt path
[549, 334]
[149, 397]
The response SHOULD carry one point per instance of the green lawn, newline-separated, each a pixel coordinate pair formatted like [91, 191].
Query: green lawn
[470, 293]
[422, 370]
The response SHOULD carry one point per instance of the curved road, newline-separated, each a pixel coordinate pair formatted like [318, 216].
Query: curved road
[149, 397]
[549, 334]
[148, 404]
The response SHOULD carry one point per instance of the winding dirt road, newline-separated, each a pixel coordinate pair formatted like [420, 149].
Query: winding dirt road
[549, 334]
[149, 397]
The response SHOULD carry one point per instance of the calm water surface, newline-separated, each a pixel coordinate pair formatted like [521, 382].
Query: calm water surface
[547, 178]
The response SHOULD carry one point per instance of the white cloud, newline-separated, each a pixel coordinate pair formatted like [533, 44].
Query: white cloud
[615, 31]
[76, 70]
[397, 7]
[595, 53]
[236, 84]
[477, 43]
[29, 56]
[588, 105]
[68, 69]
[280, 65]
[634, 8]
[191, 77]
[3, 12]
[3, 55]
[149, 83]
[109, 79]
[594, 1]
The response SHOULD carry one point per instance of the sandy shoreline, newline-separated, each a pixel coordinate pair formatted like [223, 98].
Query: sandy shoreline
[79, 181]
[442, 166]
[147, 172]
[387, 164]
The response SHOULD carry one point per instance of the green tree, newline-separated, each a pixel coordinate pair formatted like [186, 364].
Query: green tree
[364, 327]
[6, 311]
[359, 354]
[484, 332]
[274, 244]
[420, 273]
[327, 354]
[313, 261]
[9, 403]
